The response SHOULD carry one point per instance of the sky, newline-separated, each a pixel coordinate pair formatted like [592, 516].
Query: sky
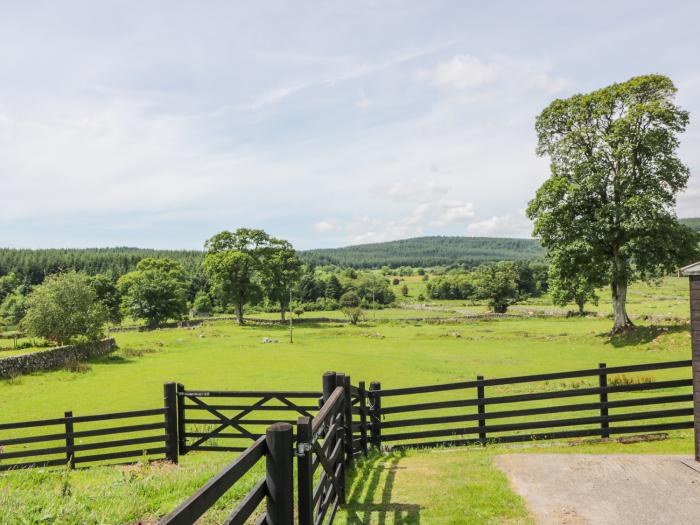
[159, 124]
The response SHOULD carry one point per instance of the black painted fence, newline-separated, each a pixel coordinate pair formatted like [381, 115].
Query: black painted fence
[473, 413]
[77, 440]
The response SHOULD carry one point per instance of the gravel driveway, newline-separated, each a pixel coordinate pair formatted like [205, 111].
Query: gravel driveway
[620, 489]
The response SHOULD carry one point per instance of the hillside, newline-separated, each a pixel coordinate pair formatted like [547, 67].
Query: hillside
[428, 251]
[693, 223]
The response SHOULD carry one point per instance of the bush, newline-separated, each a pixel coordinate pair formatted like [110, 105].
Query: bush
[63, 307]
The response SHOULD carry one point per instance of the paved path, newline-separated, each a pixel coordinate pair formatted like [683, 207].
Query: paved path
[583, 489]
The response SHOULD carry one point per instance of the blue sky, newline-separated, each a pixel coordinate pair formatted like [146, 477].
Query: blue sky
[158, 124]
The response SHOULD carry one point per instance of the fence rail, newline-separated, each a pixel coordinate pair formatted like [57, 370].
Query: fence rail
[74, 444]
[521, 407]
[341, 422]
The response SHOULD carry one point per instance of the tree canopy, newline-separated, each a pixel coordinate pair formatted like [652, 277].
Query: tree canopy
[607, 211]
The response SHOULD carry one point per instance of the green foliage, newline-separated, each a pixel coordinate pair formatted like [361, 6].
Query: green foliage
[606, 213]
[63, 307]
[333, 288]
[570, 289]
[693, 224]
[202, 304]
[404, 290]
[281, 270]
[13, 308]
[8, 284]
[233, 263]
[155, 292]
[427, 252]
[107, 293]
[498, 284]
[33, 266]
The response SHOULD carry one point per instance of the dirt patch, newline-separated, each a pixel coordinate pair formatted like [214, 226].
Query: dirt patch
[583, 489]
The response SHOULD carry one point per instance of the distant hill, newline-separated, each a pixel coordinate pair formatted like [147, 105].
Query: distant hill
[428, 251]
[692, 223]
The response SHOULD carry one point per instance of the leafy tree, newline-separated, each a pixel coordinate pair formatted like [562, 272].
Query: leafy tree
[13, 308]
[606, 212]
[63, 307]
[156, 291]
[202, 304]
[350, 304]
[233, 262]
[298, 311]
[497, 283]
[8, 284]
[333, 288]
[108, 295]
[404, 290]
[576, 289]
[281, 271]
[395, 281]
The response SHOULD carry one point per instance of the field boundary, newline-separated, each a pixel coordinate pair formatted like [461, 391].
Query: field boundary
[53, 357]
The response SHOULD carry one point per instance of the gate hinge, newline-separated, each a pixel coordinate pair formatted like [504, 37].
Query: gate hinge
[302, 449]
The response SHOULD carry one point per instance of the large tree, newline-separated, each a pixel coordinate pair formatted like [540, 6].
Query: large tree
[234, 263]
[156, 291]
[281, 271]
[607, 211]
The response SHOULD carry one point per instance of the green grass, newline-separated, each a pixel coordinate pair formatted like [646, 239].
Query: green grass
[221, 355]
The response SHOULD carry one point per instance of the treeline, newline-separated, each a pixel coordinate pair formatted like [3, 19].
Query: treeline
[32, 266]
[500, 284]
[428, 252]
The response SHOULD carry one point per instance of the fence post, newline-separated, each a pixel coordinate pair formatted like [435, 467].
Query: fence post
[481, 408]
[376, 413]
[305, 474]
[363, 416]
[603, 384]
[182, 441]
[328, 385]
[278, 467]
[349, 448]
[170, 396]
[70, 441]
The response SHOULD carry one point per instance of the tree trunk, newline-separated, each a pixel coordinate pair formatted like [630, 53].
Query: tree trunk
[581, 304]
[239, 313]
[623, 324]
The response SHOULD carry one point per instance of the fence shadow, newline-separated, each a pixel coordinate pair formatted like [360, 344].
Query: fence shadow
[369, 500]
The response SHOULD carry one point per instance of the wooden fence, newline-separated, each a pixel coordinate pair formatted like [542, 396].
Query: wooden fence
[340, 423]
[77, 440]
[599, 415]
[227, 421]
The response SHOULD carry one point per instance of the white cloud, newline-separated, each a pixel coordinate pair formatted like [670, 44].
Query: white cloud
[461, 72]
[465, 72]
[509, 225]
[325, 226]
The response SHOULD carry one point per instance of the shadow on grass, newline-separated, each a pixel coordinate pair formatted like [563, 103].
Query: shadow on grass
[645, 334]
[369, 500]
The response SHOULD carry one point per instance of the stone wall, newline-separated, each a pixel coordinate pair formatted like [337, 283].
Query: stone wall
[53, 357]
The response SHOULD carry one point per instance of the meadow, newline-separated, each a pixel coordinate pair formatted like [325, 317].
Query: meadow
[398, 488]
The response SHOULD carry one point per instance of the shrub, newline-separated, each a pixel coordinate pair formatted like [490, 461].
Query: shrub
[63, 307]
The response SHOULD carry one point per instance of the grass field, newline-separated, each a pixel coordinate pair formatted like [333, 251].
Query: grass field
[391, 489]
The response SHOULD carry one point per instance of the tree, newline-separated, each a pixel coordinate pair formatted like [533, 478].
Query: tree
[233, 263]
[606, 213]
[156, 291]
[108, 295]
[281, 270]
[63, 307]
[13, 308]
[404, 290]
[498, 284]
[202, 304]
[8, 284]
[333, 288]
[574, 289]
[350, 304]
